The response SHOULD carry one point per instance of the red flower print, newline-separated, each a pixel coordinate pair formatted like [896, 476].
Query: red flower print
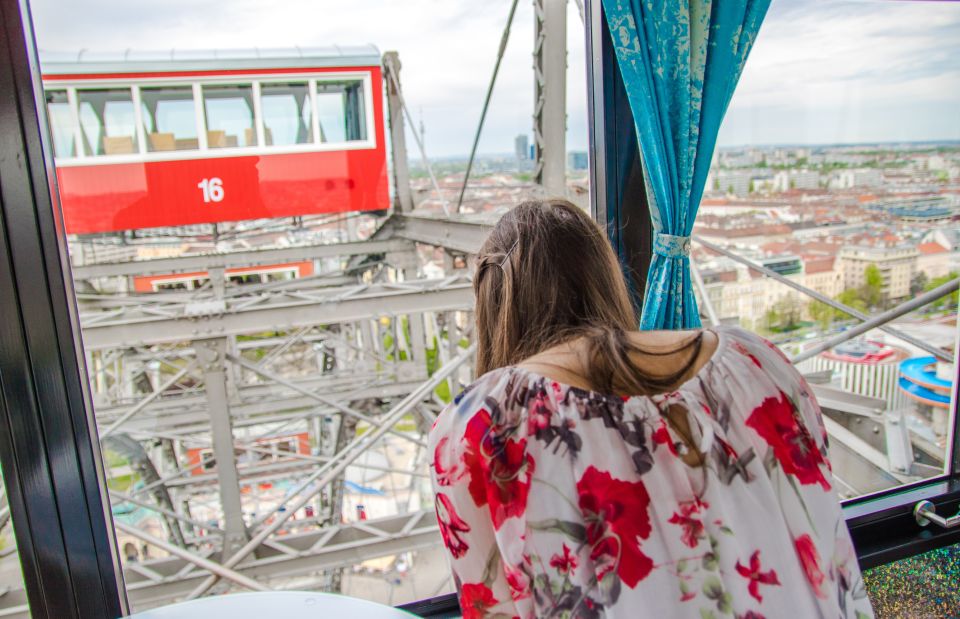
[499, 469]
[565, 564]
[692, 527]
[794, 448]
[740, 348]
[756, 577]
[445, 476]
[518, 582]
[617, 518]
[662, 436]
[475, 600]
[538, 414]
[689, 595]
[751, 615]
[810, 560]
[451, 526]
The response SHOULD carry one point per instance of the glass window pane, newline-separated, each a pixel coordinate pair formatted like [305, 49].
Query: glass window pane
[170, 118]
[286, 113]
[229, 115]
[842, 179]
[341, 112]
[107, 120]
[62, 123]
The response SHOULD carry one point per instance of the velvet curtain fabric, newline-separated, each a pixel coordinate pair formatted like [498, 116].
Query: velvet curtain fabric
[680, 61]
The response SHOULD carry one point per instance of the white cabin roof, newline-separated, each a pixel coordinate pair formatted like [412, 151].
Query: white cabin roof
[145, 61]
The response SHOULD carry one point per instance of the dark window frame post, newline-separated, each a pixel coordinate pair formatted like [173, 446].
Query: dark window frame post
[616, 176]
[48, 450]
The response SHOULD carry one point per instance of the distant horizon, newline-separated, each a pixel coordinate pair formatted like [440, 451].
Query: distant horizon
[507, 155]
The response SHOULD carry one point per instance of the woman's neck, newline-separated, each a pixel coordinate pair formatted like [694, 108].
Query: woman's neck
[567, 362]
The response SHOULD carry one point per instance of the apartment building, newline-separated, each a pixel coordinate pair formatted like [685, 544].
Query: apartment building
[896, 264]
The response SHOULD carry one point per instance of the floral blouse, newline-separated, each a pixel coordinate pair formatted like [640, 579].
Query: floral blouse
[559, 502]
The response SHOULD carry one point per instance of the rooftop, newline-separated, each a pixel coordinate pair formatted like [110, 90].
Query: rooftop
[927, 249]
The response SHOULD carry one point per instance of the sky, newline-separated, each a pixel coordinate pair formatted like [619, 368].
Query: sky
[822, 71]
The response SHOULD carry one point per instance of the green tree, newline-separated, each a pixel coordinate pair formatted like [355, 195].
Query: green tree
[851, 298]
[824, 314]
[784, 315]
[872, 290]
[821, 313]
[949, 302]
[771, 320]
[918, 283]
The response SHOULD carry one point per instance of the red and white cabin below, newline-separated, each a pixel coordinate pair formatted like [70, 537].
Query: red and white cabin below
[147, 140]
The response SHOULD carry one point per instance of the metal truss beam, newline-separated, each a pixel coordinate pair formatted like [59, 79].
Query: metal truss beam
[550, 95]
[459, 235]
[203, 262]
[302, 494]
[148, 324]
[262, 403]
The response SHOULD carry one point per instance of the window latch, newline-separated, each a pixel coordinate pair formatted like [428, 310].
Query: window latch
[926, 512]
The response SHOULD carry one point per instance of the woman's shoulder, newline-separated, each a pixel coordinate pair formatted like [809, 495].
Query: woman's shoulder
[739, 342]
[490, 393]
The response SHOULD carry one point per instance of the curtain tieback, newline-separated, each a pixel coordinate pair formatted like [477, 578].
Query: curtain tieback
[670, 246]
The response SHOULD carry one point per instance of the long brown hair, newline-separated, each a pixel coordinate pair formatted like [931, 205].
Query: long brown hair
[546, 275]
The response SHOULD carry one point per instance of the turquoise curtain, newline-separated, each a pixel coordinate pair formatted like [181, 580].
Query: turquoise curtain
[680, 61]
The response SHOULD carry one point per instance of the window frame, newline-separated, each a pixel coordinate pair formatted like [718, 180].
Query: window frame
[52, 468]
[613, 156]
[51, 462]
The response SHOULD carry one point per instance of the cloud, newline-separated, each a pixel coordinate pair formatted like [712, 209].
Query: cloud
[850, 71]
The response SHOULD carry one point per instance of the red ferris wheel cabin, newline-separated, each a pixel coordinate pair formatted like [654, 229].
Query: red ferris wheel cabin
[145, 140]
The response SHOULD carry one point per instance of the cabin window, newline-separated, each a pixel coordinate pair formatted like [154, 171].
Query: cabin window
[169, 118]
[63, 123]
[107, 121]
[340, 109]
[287, 113]
[229, 114]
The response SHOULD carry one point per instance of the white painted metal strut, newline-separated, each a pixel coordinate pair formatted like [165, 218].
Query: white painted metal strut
[319, 398]
[550, 95]
[206, 564]
[253, 257]
[879, 322]
[149, 324]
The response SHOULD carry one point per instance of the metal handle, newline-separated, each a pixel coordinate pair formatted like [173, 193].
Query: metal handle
[926, 512]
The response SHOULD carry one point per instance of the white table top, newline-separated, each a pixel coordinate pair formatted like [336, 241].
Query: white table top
[275, 605]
